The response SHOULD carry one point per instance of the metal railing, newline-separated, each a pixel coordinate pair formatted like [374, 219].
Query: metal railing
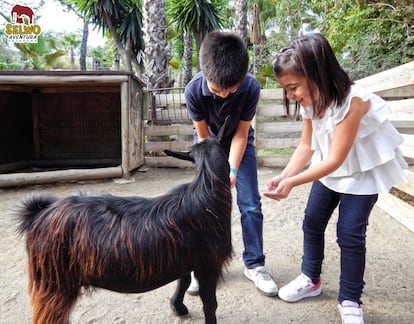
[165, 106]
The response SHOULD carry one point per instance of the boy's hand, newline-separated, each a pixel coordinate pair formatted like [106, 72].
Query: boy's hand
[233, 179]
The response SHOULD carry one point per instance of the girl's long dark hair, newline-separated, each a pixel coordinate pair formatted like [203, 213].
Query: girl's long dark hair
[312, 56]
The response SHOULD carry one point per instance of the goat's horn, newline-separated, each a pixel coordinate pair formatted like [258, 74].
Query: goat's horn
[223, 128]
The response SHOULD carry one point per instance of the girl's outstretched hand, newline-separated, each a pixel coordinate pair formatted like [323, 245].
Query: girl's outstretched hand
[278, 188]
[274, 182]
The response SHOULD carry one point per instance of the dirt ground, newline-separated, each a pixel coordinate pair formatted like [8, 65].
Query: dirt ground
[388, 296]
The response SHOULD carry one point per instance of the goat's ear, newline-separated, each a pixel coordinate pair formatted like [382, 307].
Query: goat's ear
[223, 129]
[180, 155]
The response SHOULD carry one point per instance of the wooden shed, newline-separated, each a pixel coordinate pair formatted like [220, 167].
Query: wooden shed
[69, 125]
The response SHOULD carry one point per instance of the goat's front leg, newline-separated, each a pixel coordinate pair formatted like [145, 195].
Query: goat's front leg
[176, 300]
[208, 286]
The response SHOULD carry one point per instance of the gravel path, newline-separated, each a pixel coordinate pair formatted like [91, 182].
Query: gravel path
[388, 296]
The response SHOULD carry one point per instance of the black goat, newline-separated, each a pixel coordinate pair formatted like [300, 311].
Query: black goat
[131, 244]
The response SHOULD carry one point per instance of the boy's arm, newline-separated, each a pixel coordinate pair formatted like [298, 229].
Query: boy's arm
[202, 130]
[238, 144]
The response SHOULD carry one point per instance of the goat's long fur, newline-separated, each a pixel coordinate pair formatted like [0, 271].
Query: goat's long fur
[131, 244]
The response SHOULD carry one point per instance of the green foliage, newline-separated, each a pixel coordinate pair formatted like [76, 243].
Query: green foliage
[9, 59]
[174, 63]
[196, 16]
[41, 55]
[272, 152]
[266, 77]
[368, 36]
[131, 28]
[104, 54]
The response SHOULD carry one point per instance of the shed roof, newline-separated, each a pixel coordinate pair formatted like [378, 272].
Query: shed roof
[67, 76]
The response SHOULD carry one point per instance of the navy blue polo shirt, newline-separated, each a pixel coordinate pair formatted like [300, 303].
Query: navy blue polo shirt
[241, 105]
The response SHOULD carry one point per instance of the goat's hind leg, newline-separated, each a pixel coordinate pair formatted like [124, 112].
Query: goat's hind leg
[51, 307]
[51, 304]
[176, 300]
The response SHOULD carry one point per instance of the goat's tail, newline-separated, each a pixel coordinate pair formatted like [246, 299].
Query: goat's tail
[52, 297]
[30, 209]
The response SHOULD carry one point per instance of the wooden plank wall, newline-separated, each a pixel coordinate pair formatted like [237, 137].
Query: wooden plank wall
[274, 130]
[397, 87]
[171, 137]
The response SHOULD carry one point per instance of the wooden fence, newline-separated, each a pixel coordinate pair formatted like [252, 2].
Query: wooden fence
[397, 87]
[169, 127]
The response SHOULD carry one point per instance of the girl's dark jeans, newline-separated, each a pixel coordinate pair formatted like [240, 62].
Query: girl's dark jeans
[354, 211]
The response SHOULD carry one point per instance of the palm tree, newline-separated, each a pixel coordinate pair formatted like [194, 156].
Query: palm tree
[256, 36]
[188, 57]
[70, 41]
[262, 17]
[156, 51]
[123, 19]
[84, 42]
[85, 31]
[241, 18]
[196, 17]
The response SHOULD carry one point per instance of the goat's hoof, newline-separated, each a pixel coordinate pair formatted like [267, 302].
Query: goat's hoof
[179, 308]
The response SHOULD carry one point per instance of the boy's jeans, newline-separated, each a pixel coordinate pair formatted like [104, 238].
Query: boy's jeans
[248, 200]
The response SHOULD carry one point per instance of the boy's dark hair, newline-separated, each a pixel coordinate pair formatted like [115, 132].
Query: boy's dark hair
[312, 56]
[224, 59]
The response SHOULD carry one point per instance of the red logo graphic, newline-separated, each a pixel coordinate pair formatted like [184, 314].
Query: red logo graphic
[19, 11]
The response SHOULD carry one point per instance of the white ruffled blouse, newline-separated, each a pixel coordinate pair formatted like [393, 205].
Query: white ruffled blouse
[375, 163]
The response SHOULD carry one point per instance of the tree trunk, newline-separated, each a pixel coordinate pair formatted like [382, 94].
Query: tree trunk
[241, 18]
[84, 45]
[126, 52]
[157, 52]
[188, 58]
[199, 36]
[256, 37]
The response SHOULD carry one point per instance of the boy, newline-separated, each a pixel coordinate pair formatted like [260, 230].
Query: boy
[224, 88]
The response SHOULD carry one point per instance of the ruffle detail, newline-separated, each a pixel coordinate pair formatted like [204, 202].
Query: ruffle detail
[377, 180]
[374, 149]
[375, 157]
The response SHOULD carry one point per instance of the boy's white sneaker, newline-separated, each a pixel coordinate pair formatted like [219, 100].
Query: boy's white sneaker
[351, 312]
[300, 288]
[262, 280]
[193, 289]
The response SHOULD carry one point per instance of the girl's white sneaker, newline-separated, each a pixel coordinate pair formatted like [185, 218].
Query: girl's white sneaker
[351, 312]
[300, 288]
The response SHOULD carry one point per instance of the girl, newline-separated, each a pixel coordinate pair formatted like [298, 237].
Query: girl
[355, 156]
